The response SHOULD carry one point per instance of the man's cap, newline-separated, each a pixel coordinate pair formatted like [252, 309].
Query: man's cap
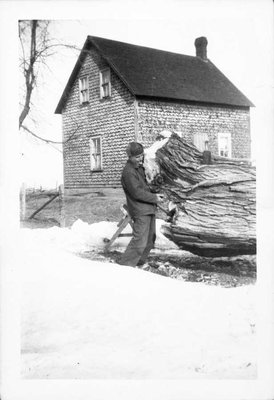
[134, 149]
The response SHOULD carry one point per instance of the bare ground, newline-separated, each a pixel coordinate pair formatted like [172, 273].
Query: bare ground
[88, 207]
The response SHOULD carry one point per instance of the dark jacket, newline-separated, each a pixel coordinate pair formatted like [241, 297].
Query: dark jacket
[140, 200]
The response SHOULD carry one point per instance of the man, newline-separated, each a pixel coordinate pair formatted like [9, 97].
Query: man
[141, 204]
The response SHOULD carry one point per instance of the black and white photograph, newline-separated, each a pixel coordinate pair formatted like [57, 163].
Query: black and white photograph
[137, 200]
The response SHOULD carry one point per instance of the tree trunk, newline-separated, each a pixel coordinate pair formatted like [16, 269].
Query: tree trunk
[215, 204]
[29, 74]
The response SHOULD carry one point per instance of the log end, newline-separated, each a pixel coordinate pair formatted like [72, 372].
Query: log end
[208, 249]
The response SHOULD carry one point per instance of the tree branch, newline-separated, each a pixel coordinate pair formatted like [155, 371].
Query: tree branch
[71, 137]
[36, 48]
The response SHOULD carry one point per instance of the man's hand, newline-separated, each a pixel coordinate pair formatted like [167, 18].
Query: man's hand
[160, 197]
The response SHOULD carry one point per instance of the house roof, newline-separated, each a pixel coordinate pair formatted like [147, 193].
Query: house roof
[161, 74]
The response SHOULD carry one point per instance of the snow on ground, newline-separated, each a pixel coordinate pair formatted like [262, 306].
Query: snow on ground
[83, 236]
[87, 319]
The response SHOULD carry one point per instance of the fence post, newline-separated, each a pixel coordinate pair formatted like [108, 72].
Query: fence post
[62, 206]
[23, 201]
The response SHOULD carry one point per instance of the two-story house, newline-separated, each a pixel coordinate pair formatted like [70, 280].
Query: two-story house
[119, 92]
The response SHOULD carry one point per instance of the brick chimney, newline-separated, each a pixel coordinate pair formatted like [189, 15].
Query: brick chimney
[200, 44]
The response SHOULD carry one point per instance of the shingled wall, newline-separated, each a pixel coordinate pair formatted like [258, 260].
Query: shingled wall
[155, 116]
[112, 118]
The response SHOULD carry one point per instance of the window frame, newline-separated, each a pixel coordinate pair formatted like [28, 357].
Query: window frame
[93, 162]
[83, 89]
[226, 135]
[200, 141]
[102, 83]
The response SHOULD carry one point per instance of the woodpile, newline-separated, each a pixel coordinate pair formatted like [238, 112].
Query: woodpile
[215, 203]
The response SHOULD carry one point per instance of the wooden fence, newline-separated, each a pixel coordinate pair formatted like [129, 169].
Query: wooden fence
[59, 194]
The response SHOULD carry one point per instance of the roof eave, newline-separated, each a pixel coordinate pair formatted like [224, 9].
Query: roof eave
[191, 101]
[71, 80]
[247, 101]
[76, 69]
[90, 41]
[90, 38]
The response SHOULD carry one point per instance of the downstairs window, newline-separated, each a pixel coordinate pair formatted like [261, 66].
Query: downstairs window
[96, 153]
[224, 144]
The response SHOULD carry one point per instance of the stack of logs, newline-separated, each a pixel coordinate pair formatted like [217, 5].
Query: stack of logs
[215, 203]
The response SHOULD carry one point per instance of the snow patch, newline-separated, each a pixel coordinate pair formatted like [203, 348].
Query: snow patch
[84, 319]
[84, 237]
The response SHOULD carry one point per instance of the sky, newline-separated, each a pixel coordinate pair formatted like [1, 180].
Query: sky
[240, 43]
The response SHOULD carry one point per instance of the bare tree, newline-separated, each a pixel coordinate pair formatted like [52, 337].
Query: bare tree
[28, 64]
[37, 45]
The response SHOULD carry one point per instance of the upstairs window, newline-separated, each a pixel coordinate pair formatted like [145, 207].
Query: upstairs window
[96, 153]
[105, 86]
[84, 90]
[224, 144]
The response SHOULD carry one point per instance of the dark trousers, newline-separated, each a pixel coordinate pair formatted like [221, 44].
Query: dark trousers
[144, 235]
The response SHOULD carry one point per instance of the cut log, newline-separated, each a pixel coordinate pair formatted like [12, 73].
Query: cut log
[215, 204]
